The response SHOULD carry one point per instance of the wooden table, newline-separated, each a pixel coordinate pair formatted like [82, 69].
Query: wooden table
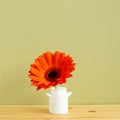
[76, 112]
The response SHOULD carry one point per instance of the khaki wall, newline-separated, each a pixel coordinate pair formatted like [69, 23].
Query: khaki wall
[88, 30]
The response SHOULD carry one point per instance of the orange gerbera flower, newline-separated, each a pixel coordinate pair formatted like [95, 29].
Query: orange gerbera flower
[51, 69]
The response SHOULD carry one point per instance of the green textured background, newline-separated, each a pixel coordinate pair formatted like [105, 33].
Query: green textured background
[88, 30]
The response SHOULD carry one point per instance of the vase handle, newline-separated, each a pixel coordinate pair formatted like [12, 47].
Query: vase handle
[69, 94]
[48, 94]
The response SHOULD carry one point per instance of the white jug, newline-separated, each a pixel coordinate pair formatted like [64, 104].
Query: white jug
[58, 100]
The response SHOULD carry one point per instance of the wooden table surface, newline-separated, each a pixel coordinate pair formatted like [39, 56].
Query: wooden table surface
[76, 112]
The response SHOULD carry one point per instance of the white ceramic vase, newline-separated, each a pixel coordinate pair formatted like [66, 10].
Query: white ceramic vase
[58, 100]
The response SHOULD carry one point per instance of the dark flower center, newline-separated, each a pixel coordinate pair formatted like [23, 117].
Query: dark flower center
[52, 74]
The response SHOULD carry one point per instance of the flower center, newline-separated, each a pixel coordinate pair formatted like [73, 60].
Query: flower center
[52, 74]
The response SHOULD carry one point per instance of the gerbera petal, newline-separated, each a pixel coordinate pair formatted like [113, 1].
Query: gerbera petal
[68, 68]
[62, 57]
[56, 59]
[40, 86]
[67, 75]
[54, 83]
[34, 83]
[35, 78]
[37, 64]
[49, 58]
[47, 86]
[43, 63]
[66, 61]
[34, 71]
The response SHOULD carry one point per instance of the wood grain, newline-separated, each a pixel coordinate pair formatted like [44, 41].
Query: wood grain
[76, 112]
